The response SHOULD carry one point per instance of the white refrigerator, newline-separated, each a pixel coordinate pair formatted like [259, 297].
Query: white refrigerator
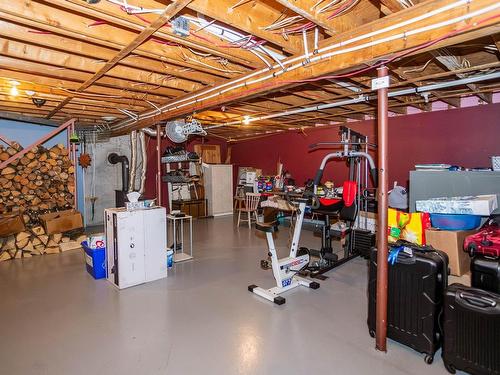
[136, 246]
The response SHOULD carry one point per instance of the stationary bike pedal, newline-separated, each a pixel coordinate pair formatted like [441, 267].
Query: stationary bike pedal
[264, 264]
[314, 285]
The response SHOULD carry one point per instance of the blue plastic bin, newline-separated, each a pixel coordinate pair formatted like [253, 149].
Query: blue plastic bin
[455, 221]
[95, 260]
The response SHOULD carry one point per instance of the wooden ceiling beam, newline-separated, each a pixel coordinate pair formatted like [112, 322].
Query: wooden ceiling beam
[39, 83]
[76, 76]
[446, 61]
[110, 13]
[363, 12]
[249, 17]
[40, 16]
[30, 52]
[350, 58]
[169, 12]
[78, 48]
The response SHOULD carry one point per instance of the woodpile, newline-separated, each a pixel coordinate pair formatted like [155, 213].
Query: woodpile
[34, 241]
[41, 180]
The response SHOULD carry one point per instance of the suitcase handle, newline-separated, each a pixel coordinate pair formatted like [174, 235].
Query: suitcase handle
[477, 301]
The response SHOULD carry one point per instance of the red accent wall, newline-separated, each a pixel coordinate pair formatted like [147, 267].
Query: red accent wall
[465, 136]
[150, 188]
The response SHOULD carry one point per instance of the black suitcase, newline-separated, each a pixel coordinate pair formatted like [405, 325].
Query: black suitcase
[415, 299]
[471, 330]
[485, 274]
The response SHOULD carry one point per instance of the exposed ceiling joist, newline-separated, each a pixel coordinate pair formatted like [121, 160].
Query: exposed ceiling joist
[167, 14]
[336, 19]
[438, 20]
[111, 14]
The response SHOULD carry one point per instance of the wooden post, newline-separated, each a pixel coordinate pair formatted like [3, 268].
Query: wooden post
[382, 250]
[158, 164]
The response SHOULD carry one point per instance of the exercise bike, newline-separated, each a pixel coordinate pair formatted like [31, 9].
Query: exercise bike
[285, 270]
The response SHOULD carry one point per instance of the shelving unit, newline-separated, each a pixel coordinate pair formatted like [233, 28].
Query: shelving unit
[172, 180]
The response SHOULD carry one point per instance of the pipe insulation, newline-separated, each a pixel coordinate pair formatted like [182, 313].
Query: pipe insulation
[133, 160]
[144, 152]
[367, 98]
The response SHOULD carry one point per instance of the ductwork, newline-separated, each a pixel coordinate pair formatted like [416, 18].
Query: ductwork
[151, 132]
[142, 140]
[133, 160]
[114, 158]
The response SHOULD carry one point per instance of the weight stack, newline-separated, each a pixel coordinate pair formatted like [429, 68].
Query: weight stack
[363, 241]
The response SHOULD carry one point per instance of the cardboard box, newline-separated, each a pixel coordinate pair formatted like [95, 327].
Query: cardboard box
[451, 242]
[11, 224]
[482, 205]
[62, 221]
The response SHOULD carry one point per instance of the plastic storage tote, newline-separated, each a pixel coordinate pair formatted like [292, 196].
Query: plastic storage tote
[95, 260]
[455, 221]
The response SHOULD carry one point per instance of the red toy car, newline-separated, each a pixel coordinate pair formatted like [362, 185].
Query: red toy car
[487, 240]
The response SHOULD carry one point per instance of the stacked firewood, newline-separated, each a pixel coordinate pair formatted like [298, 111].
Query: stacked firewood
[40, 180]
[34, 241]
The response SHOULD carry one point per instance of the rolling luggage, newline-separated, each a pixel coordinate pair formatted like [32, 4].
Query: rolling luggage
[485, 274]
[415, 298]
[471, 331]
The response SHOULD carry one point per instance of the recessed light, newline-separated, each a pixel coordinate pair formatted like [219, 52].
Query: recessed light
[30, 92]
[14, 83]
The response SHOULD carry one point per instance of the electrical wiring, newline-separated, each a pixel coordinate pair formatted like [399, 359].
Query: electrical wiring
[344, 9]
[330, 51]
[418, 70]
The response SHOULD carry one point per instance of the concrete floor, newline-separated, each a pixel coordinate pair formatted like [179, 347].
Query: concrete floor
[200, 320]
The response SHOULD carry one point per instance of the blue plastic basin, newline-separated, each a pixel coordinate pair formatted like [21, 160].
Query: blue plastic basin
[455, 221]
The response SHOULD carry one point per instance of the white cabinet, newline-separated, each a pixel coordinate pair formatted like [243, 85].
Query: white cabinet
[136, 246]
[218, 180]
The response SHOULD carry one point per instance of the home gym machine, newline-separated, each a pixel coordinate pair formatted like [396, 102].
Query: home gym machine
[355, 150]
[285, 270]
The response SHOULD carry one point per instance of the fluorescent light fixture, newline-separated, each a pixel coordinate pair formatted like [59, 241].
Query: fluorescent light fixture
[246, 120]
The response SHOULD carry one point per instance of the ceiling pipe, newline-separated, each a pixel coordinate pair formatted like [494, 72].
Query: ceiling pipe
[366, 98]
[323, 53]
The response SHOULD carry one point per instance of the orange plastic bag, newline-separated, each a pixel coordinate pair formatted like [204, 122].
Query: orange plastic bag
[407, 226]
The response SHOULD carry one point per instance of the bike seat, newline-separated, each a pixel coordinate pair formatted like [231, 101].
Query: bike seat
[267, 227]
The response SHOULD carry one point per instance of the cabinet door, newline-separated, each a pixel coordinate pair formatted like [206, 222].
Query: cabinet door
[155, 243]
[221, 189]
[130, 249]
[209, 153]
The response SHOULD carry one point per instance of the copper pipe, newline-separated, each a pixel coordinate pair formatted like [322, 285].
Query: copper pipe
[158, 164]
[382, 191]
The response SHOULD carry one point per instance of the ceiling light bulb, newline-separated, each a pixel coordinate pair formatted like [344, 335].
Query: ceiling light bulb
[246, 120]
[14, 91]
[30, 92]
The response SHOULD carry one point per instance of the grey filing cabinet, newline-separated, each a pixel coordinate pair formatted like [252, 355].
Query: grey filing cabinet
[435, 184]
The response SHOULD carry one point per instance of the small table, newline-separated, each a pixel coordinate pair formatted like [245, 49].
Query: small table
[178, 243]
